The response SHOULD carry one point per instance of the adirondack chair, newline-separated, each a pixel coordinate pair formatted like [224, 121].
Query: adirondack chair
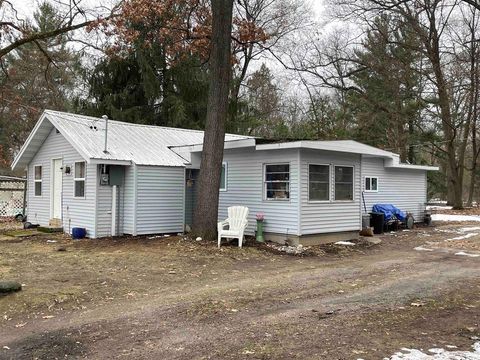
[237, 223]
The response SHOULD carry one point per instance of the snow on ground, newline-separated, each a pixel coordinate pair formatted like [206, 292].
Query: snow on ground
[466, 236]
[438, 207]
[463, 253]
[421, 248]
[345, 243]
[437, 354]
[454, 217]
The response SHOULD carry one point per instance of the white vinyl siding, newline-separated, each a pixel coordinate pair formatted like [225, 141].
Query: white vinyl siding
[246, 188]
[329, 216]
[160, 199]
[129, 200]
[404, 188]
[76, 212]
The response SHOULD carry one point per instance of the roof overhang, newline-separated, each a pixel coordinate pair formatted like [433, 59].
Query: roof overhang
[35, 140]
[413, 167]
[229, 144]
[327, 146]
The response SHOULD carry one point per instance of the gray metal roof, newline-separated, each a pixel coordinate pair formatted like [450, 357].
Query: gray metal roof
[127, 142]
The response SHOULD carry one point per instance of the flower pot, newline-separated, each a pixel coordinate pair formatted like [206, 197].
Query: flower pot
[260, 238]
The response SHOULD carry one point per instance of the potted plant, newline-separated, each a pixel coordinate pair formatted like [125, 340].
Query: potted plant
[260, 219]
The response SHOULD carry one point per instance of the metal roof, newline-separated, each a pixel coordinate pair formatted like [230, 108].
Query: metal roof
[127, 142]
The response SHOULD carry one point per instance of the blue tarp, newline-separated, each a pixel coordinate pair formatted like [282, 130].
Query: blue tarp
[388, 211]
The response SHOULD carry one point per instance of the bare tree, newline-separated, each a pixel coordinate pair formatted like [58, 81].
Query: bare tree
[206, 212]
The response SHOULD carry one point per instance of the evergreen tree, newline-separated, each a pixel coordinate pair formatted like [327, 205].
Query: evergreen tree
[389, 104]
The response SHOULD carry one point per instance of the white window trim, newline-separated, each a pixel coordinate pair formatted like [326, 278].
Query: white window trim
[226, 177]
[335, 181]
[265, 181]
[75, 179]
[35, 181]
[329, 184]
[365, 184]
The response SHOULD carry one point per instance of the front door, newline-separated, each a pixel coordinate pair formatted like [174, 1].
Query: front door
[57, 189]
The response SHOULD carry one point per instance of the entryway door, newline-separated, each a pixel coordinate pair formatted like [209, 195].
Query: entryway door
[57, 189]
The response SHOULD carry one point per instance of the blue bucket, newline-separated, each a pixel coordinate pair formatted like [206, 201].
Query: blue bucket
[78, 233]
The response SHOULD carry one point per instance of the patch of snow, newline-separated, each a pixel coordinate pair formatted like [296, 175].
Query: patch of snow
[466, 236]
[438, 207]
[468, 229]
[346, 243]
[421, 248]
[463, 253]
[437, 354]
[455, 217]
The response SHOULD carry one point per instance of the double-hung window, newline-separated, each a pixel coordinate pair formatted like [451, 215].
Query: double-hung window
[318, 182]
[277, 182]
[371, 184]
[343, 183]
[79, 179]
[38, 180]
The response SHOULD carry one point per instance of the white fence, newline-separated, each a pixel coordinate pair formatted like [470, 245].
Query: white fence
[12, 196]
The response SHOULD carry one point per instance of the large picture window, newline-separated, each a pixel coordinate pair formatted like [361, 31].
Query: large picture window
[343, 183]
[79, 179]
[277, 181]
[318, 182]
[38, 180]
[371, 184]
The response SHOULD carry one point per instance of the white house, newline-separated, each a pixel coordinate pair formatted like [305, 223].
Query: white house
[116, 178]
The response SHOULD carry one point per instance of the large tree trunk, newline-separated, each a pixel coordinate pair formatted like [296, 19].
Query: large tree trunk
[206, 211]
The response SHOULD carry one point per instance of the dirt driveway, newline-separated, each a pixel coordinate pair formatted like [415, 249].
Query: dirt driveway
[168, 298]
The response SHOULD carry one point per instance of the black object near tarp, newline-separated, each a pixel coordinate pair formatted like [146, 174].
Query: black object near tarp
[376, 221]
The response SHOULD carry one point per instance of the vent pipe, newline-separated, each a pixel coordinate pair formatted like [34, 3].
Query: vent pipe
[105, 117]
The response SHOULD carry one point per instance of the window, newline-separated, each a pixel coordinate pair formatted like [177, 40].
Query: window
[79, 179]
[343, 183]
[223, 178]
[371, 184]
[318, 182]
[38, 180]
[277, 182]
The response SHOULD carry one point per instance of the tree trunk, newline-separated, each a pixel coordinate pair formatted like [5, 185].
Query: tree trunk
[206, 211]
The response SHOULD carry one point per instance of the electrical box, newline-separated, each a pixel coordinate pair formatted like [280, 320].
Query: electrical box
[116, 174]
[104, 179]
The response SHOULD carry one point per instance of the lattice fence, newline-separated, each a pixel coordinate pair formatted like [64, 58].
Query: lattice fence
[12, 192]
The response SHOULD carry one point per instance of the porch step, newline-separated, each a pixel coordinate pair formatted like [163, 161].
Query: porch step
[50, 229]
[55, 223]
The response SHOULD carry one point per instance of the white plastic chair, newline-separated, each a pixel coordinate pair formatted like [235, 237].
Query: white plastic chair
[237, 222]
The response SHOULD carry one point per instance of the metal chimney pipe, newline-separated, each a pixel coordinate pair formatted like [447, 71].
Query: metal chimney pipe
[105, 117]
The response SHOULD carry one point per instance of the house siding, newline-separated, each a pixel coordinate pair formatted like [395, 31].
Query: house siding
[245, 187]
[104, 208]
[329, 216]
[129, 200]
[404, 188]
[76, 212]
[190, 196]
[160, 199]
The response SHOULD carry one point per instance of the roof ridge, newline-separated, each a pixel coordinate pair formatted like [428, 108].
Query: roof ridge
[124, 123]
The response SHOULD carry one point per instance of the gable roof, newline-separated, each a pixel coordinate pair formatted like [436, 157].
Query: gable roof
[127, 142]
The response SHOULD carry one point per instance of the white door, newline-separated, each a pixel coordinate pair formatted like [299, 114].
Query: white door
[57, 189]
